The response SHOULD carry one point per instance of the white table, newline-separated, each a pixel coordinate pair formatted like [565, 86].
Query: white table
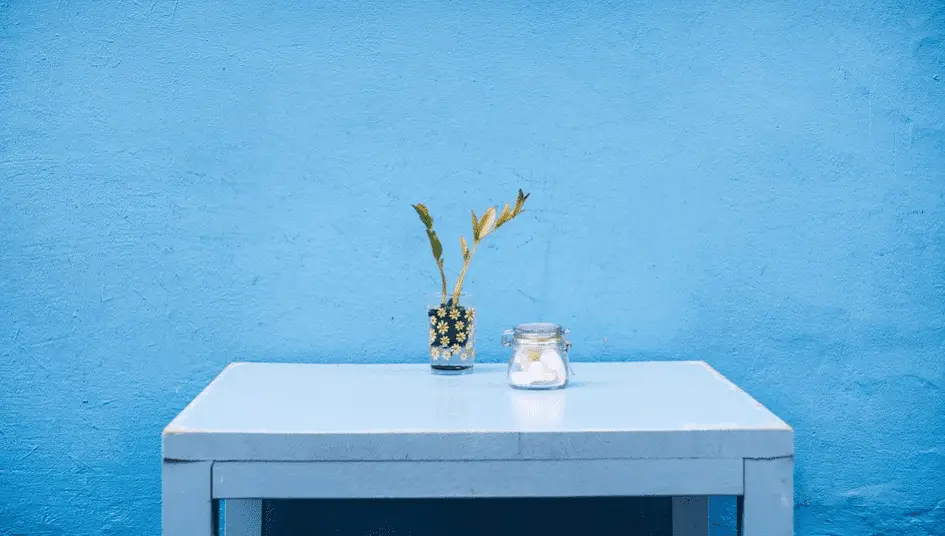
[291, 431]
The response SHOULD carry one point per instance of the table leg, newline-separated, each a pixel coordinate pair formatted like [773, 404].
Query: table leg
[242, 517]
[186, 502]
[768, 505]
[690, 516]
[739, 515]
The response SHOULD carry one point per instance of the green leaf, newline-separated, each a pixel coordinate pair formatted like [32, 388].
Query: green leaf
[475, 221]
[462, 242]
[435, 244]
[424, 215]
[486, 223]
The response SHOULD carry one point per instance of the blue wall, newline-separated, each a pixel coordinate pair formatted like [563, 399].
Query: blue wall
[757, 184]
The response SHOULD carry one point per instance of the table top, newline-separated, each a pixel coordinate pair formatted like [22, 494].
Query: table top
[315, 412]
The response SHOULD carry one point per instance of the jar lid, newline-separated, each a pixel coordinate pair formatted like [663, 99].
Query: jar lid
[536, 333]
[539, 332]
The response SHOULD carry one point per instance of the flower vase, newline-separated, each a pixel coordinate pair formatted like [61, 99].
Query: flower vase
[452, 333]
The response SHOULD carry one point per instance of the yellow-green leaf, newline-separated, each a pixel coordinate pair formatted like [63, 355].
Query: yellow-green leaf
[475, 228]
[486, 223]
[462, 242]
[424, 215]
[435, 244]
[504, 217]
[520, 201]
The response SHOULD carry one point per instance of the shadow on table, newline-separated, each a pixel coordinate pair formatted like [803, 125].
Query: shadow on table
[642, 516]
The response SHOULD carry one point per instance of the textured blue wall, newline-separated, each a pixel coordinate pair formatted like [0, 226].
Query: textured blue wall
[757, 184]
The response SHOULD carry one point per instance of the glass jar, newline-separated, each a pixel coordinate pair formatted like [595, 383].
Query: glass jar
[452, 335]
[539, 356]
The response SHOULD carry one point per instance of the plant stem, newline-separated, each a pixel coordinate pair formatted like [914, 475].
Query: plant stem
[462, 275]
[443, 279]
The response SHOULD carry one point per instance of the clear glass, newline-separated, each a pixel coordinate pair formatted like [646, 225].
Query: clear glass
[452, 335]
[539, 357]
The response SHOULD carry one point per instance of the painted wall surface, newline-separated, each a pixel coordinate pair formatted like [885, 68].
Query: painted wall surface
[757, 184]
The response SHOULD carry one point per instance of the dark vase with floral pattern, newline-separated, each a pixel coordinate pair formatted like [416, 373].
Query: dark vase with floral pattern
[452, 336]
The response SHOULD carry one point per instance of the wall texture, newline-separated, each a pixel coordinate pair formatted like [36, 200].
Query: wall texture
[757, 184]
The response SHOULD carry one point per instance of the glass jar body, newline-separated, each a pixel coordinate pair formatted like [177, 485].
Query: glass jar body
[539, 357]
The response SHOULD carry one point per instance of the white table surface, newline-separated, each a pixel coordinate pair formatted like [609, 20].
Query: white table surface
[680, 429]
[306, 412]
